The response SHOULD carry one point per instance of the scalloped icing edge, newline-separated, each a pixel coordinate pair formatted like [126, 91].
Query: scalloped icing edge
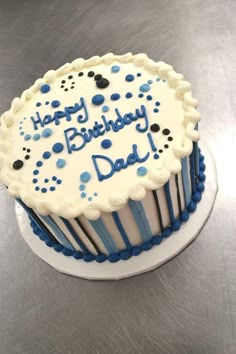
[156, 180]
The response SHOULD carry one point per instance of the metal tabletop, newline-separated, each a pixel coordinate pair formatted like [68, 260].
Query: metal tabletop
[189, 304]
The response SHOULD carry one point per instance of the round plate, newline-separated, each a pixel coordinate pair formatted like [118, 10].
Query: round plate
[146, 261]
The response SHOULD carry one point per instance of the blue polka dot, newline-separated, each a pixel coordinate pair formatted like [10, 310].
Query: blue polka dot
[156, 156]
[105, 108]
[54, 178]
[46, 103]
[55, 103]
[36, 172]
[83, 195]
[149, 97]
[24, 118]
[115, 69]
[20, 128]
[47, 132]
[156, 110]
[36, 137]
[22, 133]
[129, 78]
[98, 99]
[44, 190]
[95, 194]
[21, 122]
[46, 155]
[115, 96]
[140, 95]
[163, 80]
[52, 188]
[38, 104]
[58, 147]
[157, 103]
[35, 180]
[46, 180]
[90, 199]
[59, 181]
[106, 143]
[82, 187]
[36, 189]
[139, 74]
[61, 163]
[141, 171]
[144, 88]
[158, 79]
[83, 130]
[128, 95]
[39, 163]
[27, 137]
[85, 177]
[45, 88]
[150, 82]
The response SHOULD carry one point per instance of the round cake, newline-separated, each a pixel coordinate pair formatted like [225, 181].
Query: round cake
[103, 156]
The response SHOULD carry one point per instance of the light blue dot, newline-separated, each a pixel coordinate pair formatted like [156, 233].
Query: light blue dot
[36, 137]
[141, 171]
[22, 133]
[105, 108]
[58, 147]
[39, 163]
[128, 95]
[44, 190]
[115, 96]
[61, 163]
[90, 199]
[149, 97]
[45, 88]
[157, 103]
[82, 187]
[38, 104]
[150, 82]
[47, 132]
[85, 177]
[55, 103]
[106, 144]
[83, 195]
[98, 99]
[46, 155]
[115, 69]
[27, 137]
[156, 110]
[129, 77]
[52, 188]
[46, 180]
[144, 88]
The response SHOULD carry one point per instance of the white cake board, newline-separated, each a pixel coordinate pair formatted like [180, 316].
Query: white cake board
[146, 261]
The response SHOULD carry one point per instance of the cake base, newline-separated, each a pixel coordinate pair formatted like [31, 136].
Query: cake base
[146, 261]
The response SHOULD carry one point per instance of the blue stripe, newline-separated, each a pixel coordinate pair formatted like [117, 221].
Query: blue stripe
[196, 158]
[104, 235]
[169, 202]
[37, 221]
[185, 180]
[74, 235]
[59, 233]
[140, 219]
[192, 173]
[121, 229]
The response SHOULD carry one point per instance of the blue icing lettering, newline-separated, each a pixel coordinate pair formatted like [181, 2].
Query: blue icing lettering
[118, 164]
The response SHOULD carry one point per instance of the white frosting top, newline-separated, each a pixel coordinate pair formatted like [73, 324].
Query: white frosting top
[96, 132]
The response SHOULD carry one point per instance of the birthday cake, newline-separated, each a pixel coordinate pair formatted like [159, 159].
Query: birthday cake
[103, 156]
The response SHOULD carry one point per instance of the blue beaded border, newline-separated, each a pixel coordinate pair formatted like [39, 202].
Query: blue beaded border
[136, 250]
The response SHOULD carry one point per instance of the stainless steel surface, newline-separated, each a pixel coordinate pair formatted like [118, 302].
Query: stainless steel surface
[186, 306]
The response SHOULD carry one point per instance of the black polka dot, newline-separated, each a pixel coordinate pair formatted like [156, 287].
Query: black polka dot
[155, 127]
[66, 89]
[80, 74]
[17, 164]
[72, 87]
[62, 86]
[28, 150]
[63, 81]
[166, 146]
[166, 131]
[73, 83]
[24, 149]
[160, 151]
[70, 77]
[170, 138]
[90, 74]
[27, 157]
[97, 77]
[102, 83]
